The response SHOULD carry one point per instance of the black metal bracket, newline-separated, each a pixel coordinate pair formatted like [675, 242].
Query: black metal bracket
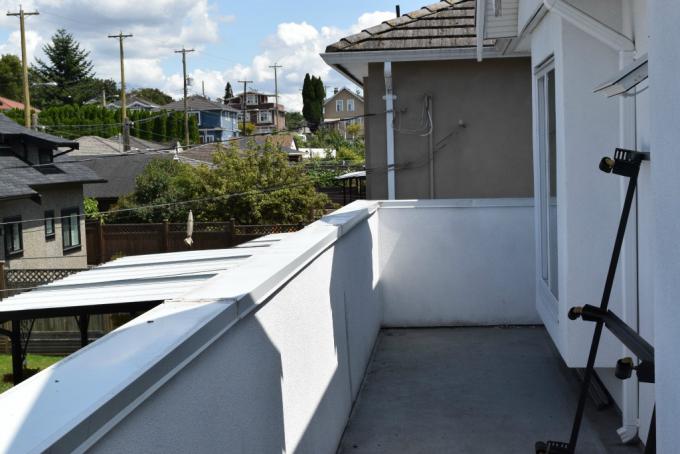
[628, 337]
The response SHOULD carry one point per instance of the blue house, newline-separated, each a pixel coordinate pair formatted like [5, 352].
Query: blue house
[216, 122]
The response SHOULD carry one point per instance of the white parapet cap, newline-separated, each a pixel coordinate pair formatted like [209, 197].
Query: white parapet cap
[72, 404]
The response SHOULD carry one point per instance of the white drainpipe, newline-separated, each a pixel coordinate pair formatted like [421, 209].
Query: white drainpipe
[389, 118]
[627, 139]
[625, 46]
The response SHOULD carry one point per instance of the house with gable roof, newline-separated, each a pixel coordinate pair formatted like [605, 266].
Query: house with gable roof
[439, 123]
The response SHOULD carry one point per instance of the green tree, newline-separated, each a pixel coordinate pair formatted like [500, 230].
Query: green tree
[228, 93]
[67, 65]
[256, 185]
[294, 120]
[11, 77]
[249, 129]
[313, 95]
[153, 94]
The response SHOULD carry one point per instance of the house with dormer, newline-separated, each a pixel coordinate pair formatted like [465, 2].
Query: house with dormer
[41, 201]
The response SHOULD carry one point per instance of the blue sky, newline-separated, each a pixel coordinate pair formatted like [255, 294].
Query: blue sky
[233, 39]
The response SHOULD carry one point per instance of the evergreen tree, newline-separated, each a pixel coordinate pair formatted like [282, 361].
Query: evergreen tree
[228, 93]
[153, 94]
[11, 77]
[68, 65]
[307, 99]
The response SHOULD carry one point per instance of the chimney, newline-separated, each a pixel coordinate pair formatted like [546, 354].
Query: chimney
[398, 11]
[335, 91]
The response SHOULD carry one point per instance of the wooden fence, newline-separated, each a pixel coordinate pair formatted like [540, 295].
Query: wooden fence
[107, 241]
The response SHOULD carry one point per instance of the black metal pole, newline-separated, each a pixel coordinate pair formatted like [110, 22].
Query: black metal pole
[611, 273]
[17, 353]
[650, 446]
[83, 324]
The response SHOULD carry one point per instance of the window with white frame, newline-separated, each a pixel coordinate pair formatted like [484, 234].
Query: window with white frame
[547, 150]
[339, 105]
[350, 105]
[251, 99]
[264, 116]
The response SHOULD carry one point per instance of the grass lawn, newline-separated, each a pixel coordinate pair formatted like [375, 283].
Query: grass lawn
[32, 362]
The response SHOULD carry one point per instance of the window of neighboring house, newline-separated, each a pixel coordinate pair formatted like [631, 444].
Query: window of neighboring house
[13, 231]
[197, 115]
[350, 105]
[70, 228]
[264, 116]
[547, 145]
[251, 100]
[339, 105]
[49, 225]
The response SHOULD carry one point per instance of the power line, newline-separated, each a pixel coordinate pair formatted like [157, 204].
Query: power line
[267, 190]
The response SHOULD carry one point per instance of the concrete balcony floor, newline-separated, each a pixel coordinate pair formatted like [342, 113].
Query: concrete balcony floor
[471, 390]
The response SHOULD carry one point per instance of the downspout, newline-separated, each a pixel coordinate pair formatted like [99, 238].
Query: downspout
[627, 139]
[389, 130]
[625, 46]
[481, 21]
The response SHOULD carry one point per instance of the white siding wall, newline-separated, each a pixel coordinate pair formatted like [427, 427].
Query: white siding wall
[505, 25]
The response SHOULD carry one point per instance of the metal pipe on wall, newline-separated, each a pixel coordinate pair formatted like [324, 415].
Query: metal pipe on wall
[389, 119]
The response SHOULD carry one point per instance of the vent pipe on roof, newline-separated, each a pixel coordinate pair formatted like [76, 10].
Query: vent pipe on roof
[398, 11]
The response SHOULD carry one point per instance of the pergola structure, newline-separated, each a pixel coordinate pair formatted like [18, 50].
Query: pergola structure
[127, 285]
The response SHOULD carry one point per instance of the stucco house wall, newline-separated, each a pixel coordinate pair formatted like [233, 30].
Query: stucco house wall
[482, 128]
[39, 252]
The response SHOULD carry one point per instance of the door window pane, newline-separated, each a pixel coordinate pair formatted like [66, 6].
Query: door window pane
[548, 197]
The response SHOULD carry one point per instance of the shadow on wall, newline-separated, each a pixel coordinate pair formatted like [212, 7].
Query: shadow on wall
[228, 399]
[281, 380]
[356, 308]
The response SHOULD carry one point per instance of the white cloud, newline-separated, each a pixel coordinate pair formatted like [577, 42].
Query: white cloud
[162, 26]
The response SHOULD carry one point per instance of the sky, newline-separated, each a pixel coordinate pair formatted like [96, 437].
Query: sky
[233, 40]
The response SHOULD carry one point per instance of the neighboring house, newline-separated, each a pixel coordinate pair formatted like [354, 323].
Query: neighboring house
[343, 109]
[41, 202]
[216, 122]
[9, 104]
[438, 123]
[134, 103]
[267, 116]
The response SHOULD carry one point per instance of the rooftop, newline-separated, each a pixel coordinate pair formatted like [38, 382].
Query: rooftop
[9, 128]
[470, 390]
[445, 24]
[296, 345]
[197, 103]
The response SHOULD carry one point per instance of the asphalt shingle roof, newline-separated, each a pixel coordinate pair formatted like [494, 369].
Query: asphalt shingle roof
[446, 24]
[19, 179]
[10, 128]
[197, 103]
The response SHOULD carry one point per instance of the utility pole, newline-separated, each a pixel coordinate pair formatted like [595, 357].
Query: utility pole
[203, 87]
[276, 66]
[184, 52]
[24, 63]
[245, 97]
[123, 107]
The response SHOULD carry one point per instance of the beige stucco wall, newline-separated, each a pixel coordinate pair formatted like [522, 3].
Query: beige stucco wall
[490, 157]
[329, 107]
[36, 248]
